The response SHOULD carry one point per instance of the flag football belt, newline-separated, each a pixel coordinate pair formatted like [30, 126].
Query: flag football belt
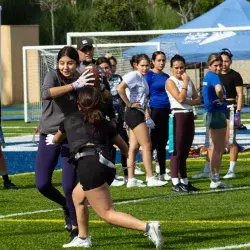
[93, 151]
[175, 111]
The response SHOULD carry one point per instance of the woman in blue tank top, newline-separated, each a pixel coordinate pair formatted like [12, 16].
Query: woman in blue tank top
[159, 109]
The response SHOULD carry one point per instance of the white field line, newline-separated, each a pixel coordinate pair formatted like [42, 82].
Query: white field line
[136, 200]
[227, 247]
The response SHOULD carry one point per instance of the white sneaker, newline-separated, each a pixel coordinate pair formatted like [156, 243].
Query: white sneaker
[138, 170]
[167, 170]
[154, 234]
[78, 242]
[218, 184]
[157, 168]
[165, 177]
[135, 183]
[201, 175]
[154, 182]
[118, 181]
[229, 175]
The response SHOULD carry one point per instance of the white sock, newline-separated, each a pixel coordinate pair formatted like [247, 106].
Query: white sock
[184, 181]
[207, 167]
[175, 181]
[232, 166]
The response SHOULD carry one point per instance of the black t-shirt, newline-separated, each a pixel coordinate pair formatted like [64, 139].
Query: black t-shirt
[80, 133]
[230, 81]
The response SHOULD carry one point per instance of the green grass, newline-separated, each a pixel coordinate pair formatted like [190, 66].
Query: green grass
[207, 219]
[18, 127]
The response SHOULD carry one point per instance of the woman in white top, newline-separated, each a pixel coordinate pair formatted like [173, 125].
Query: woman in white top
[137, 111]
[182, 95]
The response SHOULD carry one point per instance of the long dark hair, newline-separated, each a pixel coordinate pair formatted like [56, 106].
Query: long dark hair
[89, 102]
[72, 54]
[154, 55]
[101, 60]
[176, 58]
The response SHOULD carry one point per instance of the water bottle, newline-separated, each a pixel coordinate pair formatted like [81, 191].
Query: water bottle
[171, 134]
[237, 119]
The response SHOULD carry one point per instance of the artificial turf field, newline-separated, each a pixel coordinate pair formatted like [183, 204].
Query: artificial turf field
[200, 220]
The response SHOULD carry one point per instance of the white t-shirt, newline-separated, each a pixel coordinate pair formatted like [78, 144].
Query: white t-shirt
[173, 102]
[138, 88]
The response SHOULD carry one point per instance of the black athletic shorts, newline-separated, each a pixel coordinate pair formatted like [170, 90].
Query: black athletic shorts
[92, 174]
[134, 117]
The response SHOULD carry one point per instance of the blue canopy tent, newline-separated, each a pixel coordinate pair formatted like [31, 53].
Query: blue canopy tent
[196, 47]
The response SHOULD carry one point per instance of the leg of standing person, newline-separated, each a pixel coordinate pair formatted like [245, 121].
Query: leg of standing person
[184, 134]
[133, 149]
[233, 153]
[142, 136]
[159, 136]
[7, 184]
[218, 140]
[46, 161]
[69, 180]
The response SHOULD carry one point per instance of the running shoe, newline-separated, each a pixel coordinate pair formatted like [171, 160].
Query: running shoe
[138, 170]
[218, 185]
[157, 169]
[9, 185]
[67, 220]
[164, 177]
[180, 188]
[154, 182]
[118, 181]
[78, 242]
[134, 183]
[190, 187]
[229, 175]
[154, 234]
[201, 175]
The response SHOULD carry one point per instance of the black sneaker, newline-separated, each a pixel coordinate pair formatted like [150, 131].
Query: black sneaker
[73, 233]
[67, 224]
[179, 188]
[9, 185]
[191, 188]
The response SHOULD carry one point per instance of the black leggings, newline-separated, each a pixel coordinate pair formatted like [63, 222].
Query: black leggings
[123, 133]
[159, 135]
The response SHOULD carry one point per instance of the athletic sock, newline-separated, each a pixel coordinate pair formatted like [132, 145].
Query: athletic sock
[175, 181]
[232, 166]
[184, 181]
[207, 167]
[5, 177]
[147, 227]
[82, 238]
[215, 177]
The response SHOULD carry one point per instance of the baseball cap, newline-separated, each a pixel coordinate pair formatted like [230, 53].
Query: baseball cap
[84, 42]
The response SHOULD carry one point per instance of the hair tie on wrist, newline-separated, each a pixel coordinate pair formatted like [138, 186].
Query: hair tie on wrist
[184, 88]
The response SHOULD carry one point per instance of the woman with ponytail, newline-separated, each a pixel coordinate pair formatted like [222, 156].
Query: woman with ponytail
[90, 138]
[59, 100]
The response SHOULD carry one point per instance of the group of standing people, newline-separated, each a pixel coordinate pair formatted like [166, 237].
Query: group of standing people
[81, 123]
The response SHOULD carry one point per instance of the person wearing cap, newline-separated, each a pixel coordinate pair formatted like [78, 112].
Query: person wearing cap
[85, 50]
[86, 53]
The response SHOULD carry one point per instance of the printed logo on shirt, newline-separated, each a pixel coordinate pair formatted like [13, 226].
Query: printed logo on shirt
[204, 83]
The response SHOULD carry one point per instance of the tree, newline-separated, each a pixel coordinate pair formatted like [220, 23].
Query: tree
[52, 6]
[189, 9]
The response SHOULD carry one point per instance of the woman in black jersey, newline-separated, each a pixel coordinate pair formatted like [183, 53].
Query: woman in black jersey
[233, 83]
[90, 138]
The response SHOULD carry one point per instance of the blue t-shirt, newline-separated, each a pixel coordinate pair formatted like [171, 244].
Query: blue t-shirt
[211, 100]
[157, 93]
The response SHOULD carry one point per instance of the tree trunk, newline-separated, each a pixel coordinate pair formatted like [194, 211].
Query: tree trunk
[52, 26]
